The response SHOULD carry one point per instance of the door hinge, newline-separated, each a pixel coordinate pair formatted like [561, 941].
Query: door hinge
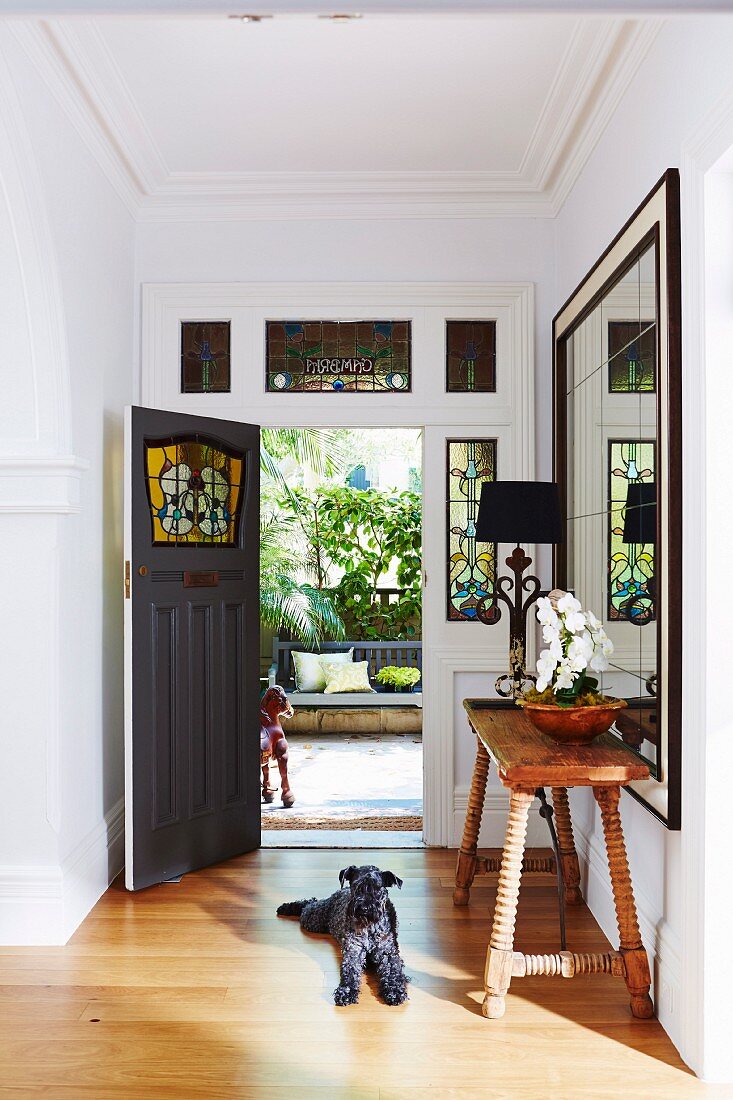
[127, 580]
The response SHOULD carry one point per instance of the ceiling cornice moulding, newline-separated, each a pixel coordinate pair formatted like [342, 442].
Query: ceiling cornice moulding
[63, 85]
[601, 58]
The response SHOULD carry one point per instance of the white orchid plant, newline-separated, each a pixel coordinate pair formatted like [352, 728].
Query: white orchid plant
[576, 642]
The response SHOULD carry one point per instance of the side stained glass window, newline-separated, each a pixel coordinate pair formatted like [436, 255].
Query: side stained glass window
[205, 357]
[339, 356]
[632, 356]
[194, 491]
[630, 564]
[471, 567]
[470, 351]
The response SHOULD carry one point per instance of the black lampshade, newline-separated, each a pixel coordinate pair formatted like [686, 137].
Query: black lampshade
[640, 521]
[519, 511]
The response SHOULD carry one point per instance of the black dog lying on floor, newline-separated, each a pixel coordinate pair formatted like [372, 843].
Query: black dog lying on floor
[364, 921]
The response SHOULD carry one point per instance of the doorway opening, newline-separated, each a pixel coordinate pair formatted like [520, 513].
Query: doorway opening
[341, 634]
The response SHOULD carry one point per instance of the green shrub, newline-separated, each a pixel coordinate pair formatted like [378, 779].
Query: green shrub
[362, 535]
[398, 677]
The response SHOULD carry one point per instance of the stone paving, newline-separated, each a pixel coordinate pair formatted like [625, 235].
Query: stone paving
[352, 775]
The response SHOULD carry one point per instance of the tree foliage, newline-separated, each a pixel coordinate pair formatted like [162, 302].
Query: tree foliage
[305, 611]
[359, 537]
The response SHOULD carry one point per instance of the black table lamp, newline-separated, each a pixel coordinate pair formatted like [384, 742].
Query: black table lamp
[640, 520]
[514, 512]
[640, 527]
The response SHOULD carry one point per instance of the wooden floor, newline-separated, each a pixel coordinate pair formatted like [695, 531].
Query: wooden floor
[199, 990]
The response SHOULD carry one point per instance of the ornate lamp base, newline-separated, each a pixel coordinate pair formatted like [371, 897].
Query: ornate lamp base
[513, 684]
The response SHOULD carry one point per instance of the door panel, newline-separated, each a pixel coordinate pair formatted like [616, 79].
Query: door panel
[191, 644]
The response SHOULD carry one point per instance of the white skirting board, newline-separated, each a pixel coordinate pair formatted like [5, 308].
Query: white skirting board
[662, 946]
[494, 819]
[44, 905]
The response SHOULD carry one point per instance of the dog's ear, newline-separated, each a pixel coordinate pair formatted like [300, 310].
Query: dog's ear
[389, 879]
[347, 874]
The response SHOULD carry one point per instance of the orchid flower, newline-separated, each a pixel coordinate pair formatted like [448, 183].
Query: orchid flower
[575, 641]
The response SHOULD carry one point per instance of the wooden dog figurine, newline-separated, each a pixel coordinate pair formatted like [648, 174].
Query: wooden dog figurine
[273, 706]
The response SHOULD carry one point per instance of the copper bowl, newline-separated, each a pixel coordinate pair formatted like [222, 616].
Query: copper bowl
[572, 725]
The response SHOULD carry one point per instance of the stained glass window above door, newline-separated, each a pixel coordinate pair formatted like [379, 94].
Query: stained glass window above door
[632, 356]
[205, 356]
[339, 356]
[194, 491]
[471, 567]
[470, 352]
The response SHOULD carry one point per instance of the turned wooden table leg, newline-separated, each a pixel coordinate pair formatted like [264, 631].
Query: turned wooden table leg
[500, 956]
[466, 866]
[638, 978]
[566, 844]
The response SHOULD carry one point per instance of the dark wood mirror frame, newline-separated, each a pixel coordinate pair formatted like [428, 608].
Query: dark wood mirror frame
[655, 222]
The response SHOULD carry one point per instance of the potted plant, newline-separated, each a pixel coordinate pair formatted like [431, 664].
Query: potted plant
[566, 703]
[396, 678]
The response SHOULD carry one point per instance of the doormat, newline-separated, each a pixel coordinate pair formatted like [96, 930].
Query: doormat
[390, 824]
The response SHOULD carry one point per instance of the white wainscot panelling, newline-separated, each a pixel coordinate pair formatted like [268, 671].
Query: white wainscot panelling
[468, 685]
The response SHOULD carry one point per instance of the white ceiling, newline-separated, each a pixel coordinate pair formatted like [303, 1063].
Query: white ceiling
[307, 95]
[446, 115]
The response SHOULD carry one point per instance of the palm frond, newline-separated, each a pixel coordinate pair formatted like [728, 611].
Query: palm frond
[318, 449]
[304, 611]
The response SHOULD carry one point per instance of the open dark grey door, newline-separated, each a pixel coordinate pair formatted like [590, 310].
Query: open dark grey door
[191, 643]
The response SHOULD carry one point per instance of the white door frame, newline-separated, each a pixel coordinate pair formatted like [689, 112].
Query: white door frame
[508, 414]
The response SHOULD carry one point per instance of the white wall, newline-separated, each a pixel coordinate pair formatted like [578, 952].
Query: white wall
[686, 71]
[68, 271]
[718, 764]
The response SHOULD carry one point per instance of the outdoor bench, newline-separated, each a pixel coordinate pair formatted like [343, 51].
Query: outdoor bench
[378, 654]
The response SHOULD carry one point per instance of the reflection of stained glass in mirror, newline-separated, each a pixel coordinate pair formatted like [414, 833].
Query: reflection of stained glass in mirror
[205, 357]
[630, 565]
[471, 568]
[194, 491]
[470, 356]
[632, 356]
[339, 356]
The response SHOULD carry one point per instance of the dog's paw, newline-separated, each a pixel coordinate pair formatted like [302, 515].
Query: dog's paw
[394, 996]
[343, 995]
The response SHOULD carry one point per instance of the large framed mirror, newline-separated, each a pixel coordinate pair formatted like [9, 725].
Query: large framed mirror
[617, 460]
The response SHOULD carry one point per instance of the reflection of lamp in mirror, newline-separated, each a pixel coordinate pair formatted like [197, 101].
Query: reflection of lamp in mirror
[516, 512]
[640, 529]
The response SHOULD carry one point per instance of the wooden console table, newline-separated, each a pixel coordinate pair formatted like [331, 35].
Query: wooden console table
[525, 760]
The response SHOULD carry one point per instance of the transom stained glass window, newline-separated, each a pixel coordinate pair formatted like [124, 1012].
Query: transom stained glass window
[205, 357]
[194, 491]
[630, 565]
[471, 567]
[339, 356]
[632, 356]
[470, 356]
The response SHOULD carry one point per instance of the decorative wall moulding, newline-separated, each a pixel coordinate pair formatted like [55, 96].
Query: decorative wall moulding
[41, 485]
[412, 385]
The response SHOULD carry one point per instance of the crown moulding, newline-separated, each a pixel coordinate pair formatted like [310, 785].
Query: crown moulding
[600, 61]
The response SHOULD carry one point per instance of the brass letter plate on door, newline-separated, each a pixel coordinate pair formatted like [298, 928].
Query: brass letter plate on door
[200, 580]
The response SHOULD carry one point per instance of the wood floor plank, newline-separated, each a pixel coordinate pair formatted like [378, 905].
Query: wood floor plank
[168, 993]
